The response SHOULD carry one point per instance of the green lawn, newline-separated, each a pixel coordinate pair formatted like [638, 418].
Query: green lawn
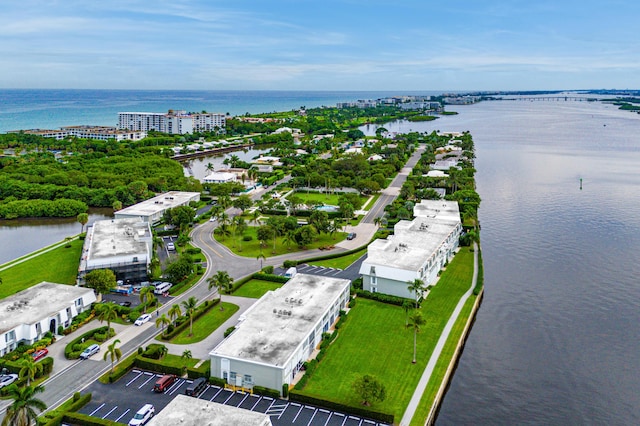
[206, 324]
[441, 366]
[252, 248]
[342, 262]
[327, 198]
[177, 361]
[256, 288]
[374, 327]
[59, 265]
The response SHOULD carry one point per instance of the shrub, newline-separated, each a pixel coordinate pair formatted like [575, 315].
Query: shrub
[260, 390]
[268, 269]
[285, 390]
[289, 263]
[384, 298]
[216, 381]
[270, 277]
[154, 351]
[247, 238]
[228, 331]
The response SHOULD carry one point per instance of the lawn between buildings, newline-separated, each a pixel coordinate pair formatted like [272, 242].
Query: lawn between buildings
[374, 341]
[59, 265]
[255, 289]
[206, 324]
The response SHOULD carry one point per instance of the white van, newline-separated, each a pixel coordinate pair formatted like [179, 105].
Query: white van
[291, 272]
[162, 288]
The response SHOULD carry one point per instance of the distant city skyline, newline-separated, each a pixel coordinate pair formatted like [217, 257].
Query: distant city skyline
[328, 45]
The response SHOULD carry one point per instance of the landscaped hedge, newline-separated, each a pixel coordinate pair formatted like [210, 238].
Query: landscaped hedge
[216, 381]
[290, 263]
[260, 390]
[75, 347]
[270, 277]
[201, 310]
[203, 371]
[86, 420]
[359, 411]
[121, 369]
[55, 417]
[480, 279]
[159, 366]
[384, 298]
[154, 351]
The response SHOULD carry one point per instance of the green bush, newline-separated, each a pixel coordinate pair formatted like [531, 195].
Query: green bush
[228, 331]
[86, 420]
[156, 365]
[120, 369]
[268, 269]
[216, 381]
[289, 263]
[203, 371]
[260, 390]
[77, 345]
[154, 351]
[360, 411]
[384, 298]
[270, 277]
[247, 238]
[285, 390]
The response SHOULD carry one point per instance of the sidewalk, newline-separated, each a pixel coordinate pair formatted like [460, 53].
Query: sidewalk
[428, 371]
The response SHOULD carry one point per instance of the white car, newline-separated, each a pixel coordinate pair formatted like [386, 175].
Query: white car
[171, 247]
[143, 415]
[142, 319]
[7, 379]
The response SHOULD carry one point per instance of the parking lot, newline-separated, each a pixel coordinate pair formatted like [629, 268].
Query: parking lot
[121, 400]
[351, 273]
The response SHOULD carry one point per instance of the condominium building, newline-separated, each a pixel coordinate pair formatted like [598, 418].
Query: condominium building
[173, 122]
[418, 249]
[151, 210]
[88, 132]
[280, 332]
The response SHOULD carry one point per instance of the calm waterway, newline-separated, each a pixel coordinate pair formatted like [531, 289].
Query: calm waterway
[556, 340]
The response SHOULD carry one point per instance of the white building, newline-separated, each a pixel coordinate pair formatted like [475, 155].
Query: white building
[280, 332]
[172, 122]
[28, 315]
[186, 410]
[220, 177]
[151, 210]
[418, 249]
[87, 132]
[123, 245]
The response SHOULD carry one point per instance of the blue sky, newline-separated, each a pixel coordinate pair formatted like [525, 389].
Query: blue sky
[320, 44]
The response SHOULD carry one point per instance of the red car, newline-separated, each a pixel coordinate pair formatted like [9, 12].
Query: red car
[38, 355]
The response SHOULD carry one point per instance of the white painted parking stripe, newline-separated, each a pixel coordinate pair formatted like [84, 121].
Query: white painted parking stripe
[145, 382]
[311, 419]
[369, 421]
[110, 411]
[134, 379]
[174, 387]
[135, 371]
[324, 411]
[214, 396]
[283, 410]
[96, 410]
[225, 401]
[345, 420]
[337, 272]
[328, 418]
[296, 417]
[338, 414]
[254, 405]
[204, 391]
[272, 402]
[355, 418]
[295, 404]
[245, 397]
[122, 415]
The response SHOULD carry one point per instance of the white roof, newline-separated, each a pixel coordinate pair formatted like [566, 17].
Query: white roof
[159, 204]
[186, 410]
[269, 334]
[118, 237]
[39, 302]
[413, 242]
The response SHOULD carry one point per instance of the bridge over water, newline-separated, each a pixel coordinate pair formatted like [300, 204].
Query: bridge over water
[552, 99]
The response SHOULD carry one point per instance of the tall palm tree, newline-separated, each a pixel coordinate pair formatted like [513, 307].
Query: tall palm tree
[174, 312]
[417, 287]
[146, 295]
[29, 368]
[221, 281]
[255, 215]
[112, 352]
[407, 305]
[260, 257]
[162, 321]
[210, 167]
[186, 356]
[189, 306]
[22, 411]
[416, 320]
[107, 312]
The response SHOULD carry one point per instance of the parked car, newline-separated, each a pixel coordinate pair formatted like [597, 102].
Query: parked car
[142, 319]
[196, 387]
[91, 350]
[7, 379]
[164, 382]
[143, 415]
[38, 355]
[171, 247]
[351, 235]
[125, 304]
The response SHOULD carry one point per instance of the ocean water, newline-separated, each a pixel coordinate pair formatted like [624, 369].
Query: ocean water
[49, 109]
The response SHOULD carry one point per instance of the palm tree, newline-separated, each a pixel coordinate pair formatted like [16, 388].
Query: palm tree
[112, 352]
[189, 306]
[260, 257]
[22, 412]
[416, 320]
[255, 215]
[186, 356]
[222, 281]
[162, 321]
[377, 221]
[107, 312]
[417, 287]
[174, 312]
[210, 167]
[29, 368]
[163, 350]
[146, 295]
[406, 307]
[288, 238]
[83, 218]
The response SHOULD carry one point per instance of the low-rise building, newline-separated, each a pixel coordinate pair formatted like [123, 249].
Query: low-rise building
[151, 210]
[28, 315]
[220, 177]
[418, 249]
[280, 332]
[87, 132]
[123, 245]
[186, 410]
